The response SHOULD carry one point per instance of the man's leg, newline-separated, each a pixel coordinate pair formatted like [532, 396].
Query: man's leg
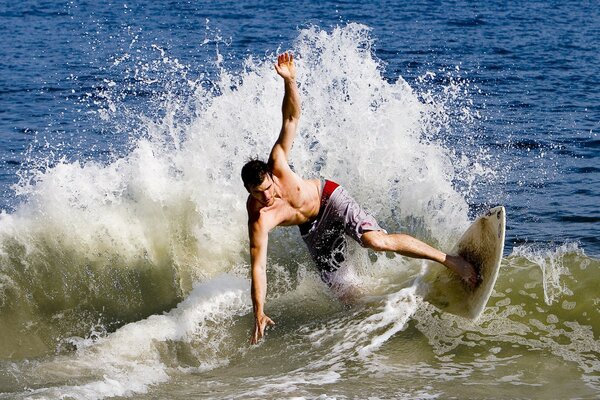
[410, 247]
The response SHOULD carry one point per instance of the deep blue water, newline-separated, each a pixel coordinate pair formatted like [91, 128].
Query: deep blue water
[532, 70]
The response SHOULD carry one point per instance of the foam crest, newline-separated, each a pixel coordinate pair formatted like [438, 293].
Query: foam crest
[357, 336]
[133, 358]
[399, 308]
[550, 262]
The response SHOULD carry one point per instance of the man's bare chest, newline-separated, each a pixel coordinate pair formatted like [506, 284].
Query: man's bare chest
[287, 214]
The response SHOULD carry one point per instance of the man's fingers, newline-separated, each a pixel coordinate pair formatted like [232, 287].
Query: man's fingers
[285, 58]
[259, 329]
[257, 335]
[254, 338]
[266, 322]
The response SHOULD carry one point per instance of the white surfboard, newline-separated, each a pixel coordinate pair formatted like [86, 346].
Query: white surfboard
[482, 245]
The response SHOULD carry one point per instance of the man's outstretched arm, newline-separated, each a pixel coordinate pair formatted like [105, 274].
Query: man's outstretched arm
[259, 238]
[290, 110]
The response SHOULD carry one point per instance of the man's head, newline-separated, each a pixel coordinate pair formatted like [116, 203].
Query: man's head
[258, 181]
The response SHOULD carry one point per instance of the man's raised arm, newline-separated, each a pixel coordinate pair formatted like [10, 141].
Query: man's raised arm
[290, 110]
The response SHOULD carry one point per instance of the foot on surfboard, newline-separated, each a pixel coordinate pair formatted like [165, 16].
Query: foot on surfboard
[464, 269]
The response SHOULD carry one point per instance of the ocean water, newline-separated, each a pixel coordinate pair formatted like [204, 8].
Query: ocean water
[124, 266]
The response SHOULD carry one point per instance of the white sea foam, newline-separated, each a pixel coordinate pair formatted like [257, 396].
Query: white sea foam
[130, 360]
[550, 262]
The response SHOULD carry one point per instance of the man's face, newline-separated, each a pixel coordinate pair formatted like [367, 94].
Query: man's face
[265, 192]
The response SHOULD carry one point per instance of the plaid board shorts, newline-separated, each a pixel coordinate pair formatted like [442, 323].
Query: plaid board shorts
[339, 216]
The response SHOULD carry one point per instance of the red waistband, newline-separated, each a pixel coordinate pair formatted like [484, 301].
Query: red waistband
[328, 190]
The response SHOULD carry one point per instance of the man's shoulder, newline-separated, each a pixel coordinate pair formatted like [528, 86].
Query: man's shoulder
[257, 213]
[252, 208]
[264, 218]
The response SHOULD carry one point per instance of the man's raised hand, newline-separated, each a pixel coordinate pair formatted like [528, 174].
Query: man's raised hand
[285, 66]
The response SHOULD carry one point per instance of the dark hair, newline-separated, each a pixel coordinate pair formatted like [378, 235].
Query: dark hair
[254, 172]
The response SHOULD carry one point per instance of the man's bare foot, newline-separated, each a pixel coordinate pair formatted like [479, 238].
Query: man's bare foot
[464, 269]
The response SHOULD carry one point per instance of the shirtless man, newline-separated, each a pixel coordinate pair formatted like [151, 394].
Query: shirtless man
[324, 211]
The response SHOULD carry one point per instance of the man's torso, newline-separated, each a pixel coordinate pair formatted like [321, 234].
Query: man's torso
[297, 201]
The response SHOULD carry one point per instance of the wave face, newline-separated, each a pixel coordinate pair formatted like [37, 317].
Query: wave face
[98, 253]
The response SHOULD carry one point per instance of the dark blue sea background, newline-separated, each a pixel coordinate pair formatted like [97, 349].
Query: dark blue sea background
[123, 243]
[532, 67]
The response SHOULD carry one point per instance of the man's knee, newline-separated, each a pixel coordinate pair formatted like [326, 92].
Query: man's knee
[375, 240]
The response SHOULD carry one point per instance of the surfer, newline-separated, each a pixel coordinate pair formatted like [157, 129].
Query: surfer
[324, 211]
